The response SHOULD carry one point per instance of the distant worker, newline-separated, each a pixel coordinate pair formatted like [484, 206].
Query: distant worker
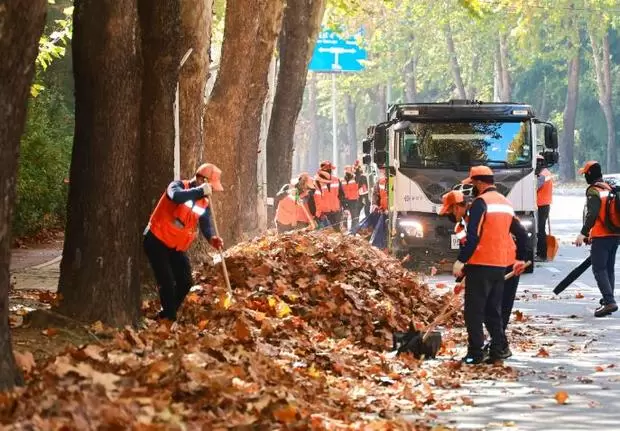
[380, 192]
[351, 191]
[543, 201]
[362, 182]
[488, 250]
[293, 210]
[171, 230]
[331, 193]
[596, 230]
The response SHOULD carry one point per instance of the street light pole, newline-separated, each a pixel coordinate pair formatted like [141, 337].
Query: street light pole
[334, 124]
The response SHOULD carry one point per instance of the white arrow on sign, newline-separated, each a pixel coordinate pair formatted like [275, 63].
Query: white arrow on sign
[337, 51]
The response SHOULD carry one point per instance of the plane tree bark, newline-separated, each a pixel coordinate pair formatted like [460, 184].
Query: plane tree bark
[98, 272]
[196, 22]
[21, 25]
[567, 161]
[454, 62]
[301, 22]
[233, 111]
[602, 67]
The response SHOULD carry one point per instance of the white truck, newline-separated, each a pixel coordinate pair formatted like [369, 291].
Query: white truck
[428, 148]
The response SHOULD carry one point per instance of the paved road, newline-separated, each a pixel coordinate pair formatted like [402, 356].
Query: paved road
[576, 341]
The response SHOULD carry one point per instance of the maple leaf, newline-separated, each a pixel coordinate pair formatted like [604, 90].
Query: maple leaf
[519, 316]
[542, 353]
[579, 295]
[242, 331]
[561, 397]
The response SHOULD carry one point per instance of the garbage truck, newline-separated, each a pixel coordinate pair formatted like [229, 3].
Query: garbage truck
[427, 149]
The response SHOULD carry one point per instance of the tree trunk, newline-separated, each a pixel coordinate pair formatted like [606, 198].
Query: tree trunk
[160, 32]
[567, 149]
[98, 272]
[602, 66]
[21, 24]
[411, 87]
[351, 128]
[475, 65]
[232, 116]
[313, 152]
[302, 19]
[506, 84]
[196, 21]
[454, 62]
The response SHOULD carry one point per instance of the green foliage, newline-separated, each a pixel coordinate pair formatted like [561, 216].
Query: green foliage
[52, 46]
[44, 164]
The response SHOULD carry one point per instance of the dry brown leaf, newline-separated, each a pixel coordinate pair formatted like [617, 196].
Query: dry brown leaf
[542, 353]
[599, 369]
[25, 361]
[467, 401]
[286, 414]
[519, 316]
[50, 332]
[242, 331]
[579, 295]
[561, 397]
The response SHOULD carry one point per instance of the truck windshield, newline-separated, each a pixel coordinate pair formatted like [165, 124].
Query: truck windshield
[459, 145]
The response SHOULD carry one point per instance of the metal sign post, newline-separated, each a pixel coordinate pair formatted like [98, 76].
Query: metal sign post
[333, 54]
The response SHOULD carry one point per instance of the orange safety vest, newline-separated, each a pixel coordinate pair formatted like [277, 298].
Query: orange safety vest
[290, 211]
[495, 246]
[545, 193]
[175, 224]
[319, 204]
[351, 190]
[600, 229]
[383, 194]
[331, 201]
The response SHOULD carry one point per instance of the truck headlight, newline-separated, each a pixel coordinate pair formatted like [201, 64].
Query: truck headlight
[412, 228]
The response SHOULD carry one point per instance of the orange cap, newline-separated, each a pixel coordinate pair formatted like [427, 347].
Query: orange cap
[305, 179]
[451, 198]
[212, 174]
[586, 168]
[480, 171]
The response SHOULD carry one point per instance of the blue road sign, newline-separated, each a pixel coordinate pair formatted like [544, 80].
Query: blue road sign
[335, 54]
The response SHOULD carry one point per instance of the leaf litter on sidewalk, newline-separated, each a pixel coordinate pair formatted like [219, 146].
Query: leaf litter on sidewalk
[304, 345]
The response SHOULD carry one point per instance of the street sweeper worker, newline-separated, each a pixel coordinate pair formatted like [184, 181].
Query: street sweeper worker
[362, 182]
[293, 211]
[488, 250]
[351, 190]
[544, 198]
[332, 194]
[597, 231]
[182, 208]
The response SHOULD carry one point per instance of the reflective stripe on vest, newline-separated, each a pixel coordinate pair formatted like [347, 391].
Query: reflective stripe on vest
[600, 229]
[175, 224]
[544, 195]
[331, 200]
[495, 245]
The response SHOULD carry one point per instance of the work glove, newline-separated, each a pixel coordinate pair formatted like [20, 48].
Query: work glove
[206, 189]
[457, 268]
[216, 242]
[518, 267]
[581, 238]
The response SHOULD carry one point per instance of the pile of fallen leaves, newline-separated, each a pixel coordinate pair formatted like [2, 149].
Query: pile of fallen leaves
[301, 346]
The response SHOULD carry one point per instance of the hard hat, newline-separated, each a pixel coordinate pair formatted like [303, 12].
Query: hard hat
[451, 198]
[588, 165]
[212, 174]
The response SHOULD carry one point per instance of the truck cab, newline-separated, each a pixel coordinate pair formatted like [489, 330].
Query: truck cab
[427, 149]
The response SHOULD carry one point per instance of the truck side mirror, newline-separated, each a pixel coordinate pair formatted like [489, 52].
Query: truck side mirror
[366, 146]
[380, 138]
[551, 137]
[551, 157]
[381, 158]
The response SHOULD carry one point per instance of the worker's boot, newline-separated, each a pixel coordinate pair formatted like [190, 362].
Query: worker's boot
[499, 355]
[605, 310]
[473, 358]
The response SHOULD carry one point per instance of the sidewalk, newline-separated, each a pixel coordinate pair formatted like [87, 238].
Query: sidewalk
[36, 267]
